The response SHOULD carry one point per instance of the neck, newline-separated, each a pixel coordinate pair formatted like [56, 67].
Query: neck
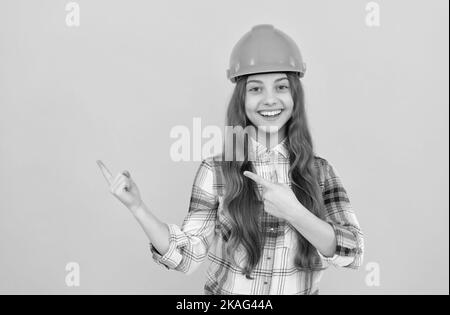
[270, 140]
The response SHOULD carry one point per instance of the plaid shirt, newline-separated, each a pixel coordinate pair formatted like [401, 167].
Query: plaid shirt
[204, 230]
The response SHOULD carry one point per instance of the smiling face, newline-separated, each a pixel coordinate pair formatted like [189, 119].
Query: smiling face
[268, 102]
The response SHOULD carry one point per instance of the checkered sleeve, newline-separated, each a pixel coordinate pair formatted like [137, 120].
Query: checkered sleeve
[339, 214]
[189, 244]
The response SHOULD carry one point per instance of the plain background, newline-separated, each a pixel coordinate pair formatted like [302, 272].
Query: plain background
[115, 86]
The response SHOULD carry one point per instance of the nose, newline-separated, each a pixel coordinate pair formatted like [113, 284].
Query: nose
[270, 99]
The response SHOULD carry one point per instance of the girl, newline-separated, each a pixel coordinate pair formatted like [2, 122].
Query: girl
[269, 224]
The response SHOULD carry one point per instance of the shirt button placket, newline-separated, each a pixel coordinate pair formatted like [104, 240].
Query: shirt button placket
[267, 283]
[269, 267]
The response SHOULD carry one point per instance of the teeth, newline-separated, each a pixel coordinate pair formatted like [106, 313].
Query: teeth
[270, 113]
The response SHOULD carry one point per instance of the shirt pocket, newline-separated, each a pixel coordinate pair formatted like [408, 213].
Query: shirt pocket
[290, 237]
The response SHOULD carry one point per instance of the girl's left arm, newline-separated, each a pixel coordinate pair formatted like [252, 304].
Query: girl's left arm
[318, 232]
[338, 238]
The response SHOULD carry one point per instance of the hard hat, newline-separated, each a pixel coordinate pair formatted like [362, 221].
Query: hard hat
[265, 49]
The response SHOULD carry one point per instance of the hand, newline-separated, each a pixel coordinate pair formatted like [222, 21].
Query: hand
[122, 187]
[279, 199]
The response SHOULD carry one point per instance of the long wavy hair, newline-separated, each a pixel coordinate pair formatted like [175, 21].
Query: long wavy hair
[242, 201]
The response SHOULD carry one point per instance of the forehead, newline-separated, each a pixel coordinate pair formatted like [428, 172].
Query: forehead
[266, 77]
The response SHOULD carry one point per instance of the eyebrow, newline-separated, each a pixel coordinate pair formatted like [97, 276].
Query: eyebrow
[258, 81]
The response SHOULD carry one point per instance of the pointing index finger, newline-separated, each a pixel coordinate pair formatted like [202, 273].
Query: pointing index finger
[258, 179]
[106, 173]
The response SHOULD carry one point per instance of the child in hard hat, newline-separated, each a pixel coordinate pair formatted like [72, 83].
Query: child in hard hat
[270, 224]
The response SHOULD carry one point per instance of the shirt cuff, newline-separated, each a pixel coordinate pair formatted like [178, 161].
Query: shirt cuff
[172, 258]
[327, 259]
[344, 244]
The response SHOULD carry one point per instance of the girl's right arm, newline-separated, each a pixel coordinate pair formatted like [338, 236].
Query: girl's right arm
[189, 244]
[123, 187]
[180, 248]
[156, 231]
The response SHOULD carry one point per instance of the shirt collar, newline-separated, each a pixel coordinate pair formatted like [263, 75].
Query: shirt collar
[260, 149]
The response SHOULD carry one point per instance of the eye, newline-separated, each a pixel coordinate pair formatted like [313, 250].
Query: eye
[253, 89]
[283, 87]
